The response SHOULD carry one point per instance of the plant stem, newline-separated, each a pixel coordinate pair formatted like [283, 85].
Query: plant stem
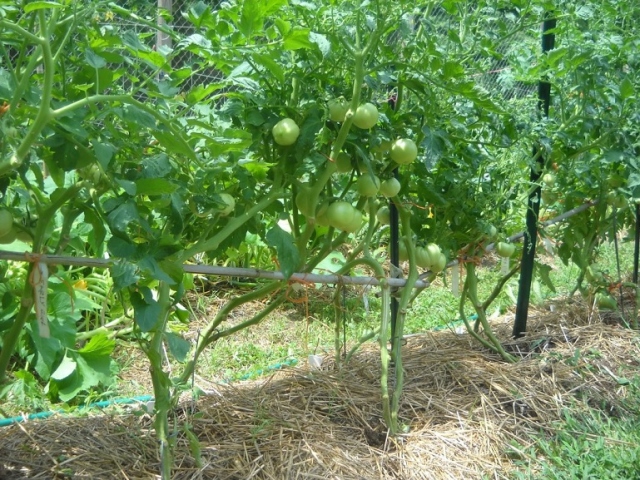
[161, 382]
[10, 338]
[385, 317]
[209, 335]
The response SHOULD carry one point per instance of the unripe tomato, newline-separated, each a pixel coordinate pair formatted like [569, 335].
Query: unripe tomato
[337, 109]
[439, 263]
[390, 187]
[384, 215]
[606, 301]
[593, 275]
[6, 222]
[9, 237]
[549, 179]
[404, 151]
[403, 251]
[230, 204]
[343, 216]
[617, 200]
[433, 250]
[368, 185]
[285, 132]
[304, 201]
[505, 250]
[423, 259]
[366, 116]
[343, 163]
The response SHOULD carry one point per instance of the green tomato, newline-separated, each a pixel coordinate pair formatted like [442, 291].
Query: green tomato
[505, 250]
[549, 179]
[6, 222]
[439, 263]
[433, 250]
[230, 204]
[368, 185]
[606, 301]
[366, 116]
[343, 163]
[285, 132]
[384, 215]
[343, 216]
[491, 232]
[403, 251]
[9, 237]
[390, 187]
[337, 109]
[617, 200]
[593, 275]
[423, 259]
[404, 151]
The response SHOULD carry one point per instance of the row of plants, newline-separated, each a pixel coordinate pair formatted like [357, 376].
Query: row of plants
[105, 152]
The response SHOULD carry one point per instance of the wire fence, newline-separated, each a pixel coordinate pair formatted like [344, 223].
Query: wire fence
[496, 68]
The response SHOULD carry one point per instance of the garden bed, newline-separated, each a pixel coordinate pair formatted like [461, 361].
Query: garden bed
[465, 410]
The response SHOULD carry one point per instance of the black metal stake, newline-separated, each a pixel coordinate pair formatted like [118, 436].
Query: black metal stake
[533, 203]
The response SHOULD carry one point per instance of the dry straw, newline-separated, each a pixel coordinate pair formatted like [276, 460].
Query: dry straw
[463, 407]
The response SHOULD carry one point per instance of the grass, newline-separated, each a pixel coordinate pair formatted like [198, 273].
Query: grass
[588, 445]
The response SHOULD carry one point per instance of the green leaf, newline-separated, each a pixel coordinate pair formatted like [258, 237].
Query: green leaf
[99, 345]
[128, 186]
[155, 186]
[94, 370]
[138, 116]
[627, 89]
[103, 152]
[308, 132]
[124, 274]
[94, 60]
[178, 346]
[452, 70]
[288, 255]
[33, 6]
[121, 247]
[270, 64]
[146, 311]
[175, 145]
[66, 368]
[321, 42]
[149, 265]
[297, 38]
[543, 271]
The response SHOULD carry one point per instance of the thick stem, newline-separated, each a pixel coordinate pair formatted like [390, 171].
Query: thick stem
[472, 293]
[161, 383]
[385, 317]
[405, 297]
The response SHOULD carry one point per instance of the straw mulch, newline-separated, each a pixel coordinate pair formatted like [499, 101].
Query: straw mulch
[463, 408]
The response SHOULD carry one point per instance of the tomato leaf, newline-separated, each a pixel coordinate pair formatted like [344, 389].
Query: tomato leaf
[124, 274]
[146, 310]
[178, 346]
[66, 368]
[288, 255]
[297, 38]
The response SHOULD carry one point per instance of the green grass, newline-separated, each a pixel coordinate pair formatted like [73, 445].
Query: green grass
[588, 445]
